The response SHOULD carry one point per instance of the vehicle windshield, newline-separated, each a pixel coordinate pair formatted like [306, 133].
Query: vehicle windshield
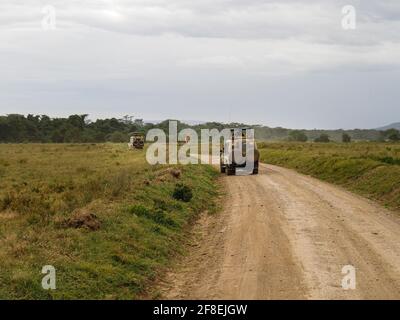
[251, 143]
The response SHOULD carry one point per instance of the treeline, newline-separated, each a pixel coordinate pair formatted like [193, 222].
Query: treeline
[392, 135]
[16, 128]
[75, 128]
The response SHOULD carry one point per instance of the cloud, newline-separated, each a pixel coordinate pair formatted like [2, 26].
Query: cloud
[177, 47]
[315, 20]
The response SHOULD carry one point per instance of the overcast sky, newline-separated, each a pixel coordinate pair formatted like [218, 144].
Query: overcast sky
[283, 63]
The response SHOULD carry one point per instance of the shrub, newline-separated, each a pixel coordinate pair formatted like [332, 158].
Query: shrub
[297, 135]
[392, 135]
[389, 160]
[182, 193]
[6, 201]
[346, 138]
[322, 138]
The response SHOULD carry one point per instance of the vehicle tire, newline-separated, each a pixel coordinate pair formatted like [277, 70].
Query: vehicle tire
[223, 169]
[255, 170]
[230, 171]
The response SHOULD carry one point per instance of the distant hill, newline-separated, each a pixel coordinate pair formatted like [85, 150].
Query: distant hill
[395, 125]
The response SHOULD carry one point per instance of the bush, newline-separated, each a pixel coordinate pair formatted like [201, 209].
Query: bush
[6, 201]
[322, 138]
[389, 160]
[392, 135]
[182, 193]
[346, 138]
[297, 135]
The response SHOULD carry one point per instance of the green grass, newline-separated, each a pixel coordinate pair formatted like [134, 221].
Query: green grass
[370, 169]
[142, 225]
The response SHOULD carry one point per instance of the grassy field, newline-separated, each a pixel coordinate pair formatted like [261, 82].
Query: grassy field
[103, 217]
[370, 169]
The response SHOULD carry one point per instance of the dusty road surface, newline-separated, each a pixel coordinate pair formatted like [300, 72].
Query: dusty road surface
[283, 235]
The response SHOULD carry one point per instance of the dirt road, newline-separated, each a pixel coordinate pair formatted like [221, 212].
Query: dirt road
[283, 235]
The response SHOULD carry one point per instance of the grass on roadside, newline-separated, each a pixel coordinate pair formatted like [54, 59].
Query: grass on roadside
[370, 169]
[139, 224]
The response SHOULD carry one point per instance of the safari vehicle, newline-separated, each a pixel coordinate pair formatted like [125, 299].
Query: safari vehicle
[228, 164]
[136, 141]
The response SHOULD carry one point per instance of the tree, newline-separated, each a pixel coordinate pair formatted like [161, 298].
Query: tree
[392, 134]
[346, 138]
[57, 136]
[72, 134]
[297, 135]
[139, 123]
[322, 138]
[77, 121]
[118, 137]
[127, 119]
